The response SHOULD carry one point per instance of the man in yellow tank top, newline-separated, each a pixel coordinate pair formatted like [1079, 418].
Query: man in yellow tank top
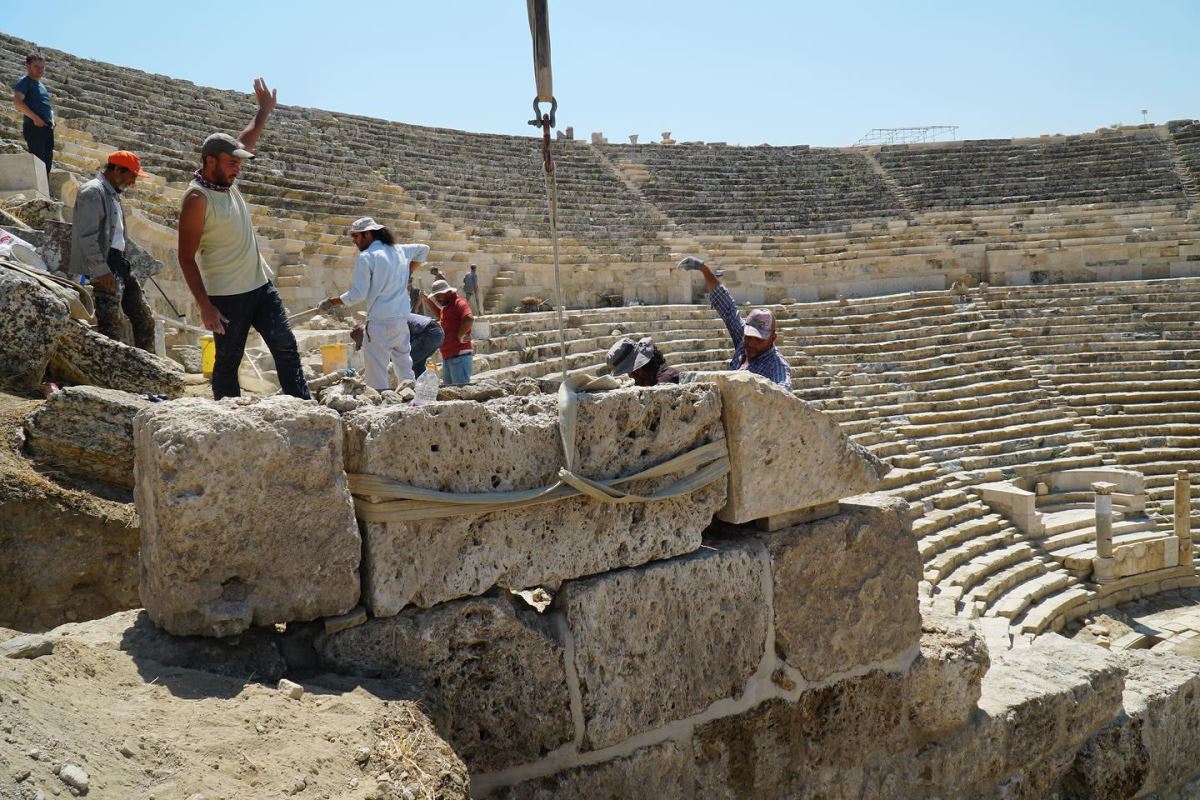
[221, 263]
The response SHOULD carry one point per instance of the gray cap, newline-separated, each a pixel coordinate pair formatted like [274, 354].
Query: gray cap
[224, 143]
[626, 355]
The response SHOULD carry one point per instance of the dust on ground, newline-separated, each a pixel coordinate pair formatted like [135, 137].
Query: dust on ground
[139, 729]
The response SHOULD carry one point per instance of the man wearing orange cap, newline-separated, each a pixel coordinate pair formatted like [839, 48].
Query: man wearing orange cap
[98, 241]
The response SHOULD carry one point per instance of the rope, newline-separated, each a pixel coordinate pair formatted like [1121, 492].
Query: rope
[380, 499]
[552, 202]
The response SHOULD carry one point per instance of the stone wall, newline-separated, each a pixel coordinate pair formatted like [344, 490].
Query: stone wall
[720, 661]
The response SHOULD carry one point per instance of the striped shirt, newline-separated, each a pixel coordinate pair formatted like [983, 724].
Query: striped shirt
[770, 364]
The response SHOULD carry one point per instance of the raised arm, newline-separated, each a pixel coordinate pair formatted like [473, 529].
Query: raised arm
[267, 100]
[191, 228]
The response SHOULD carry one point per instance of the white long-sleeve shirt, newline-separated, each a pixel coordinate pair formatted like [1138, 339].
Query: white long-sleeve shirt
[381, 279]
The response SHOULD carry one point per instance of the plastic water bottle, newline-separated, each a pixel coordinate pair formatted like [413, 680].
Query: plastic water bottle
[426, 389]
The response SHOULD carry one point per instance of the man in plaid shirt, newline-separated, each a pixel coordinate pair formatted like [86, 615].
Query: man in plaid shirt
[753, 338]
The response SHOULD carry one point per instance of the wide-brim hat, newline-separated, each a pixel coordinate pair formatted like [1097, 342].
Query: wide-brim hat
[440, 286]
[364, 224]
[626, 355]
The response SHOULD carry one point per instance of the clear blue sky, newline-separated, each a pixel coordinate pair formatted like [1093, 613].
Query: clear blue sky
[741, 72]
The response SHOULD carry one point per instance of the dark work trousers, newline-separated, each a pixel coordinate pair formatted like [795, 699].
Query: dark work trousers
[263, 310]
[422, 345]
[128, 297]
[40, 142]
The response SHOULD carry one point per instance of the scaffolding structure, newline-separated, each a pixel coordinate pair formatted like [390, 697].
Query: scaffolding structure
[919, 133]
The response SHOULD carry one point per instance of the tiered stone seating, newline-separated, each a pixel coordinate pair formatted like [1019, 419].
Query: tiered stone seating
[957, 394]
[1185, 137]
[1110, 167]
[716, 189]
[1126, 357]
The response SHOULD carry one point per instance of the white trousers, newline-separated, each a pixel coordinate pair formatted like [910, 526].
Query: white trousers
[386, 340]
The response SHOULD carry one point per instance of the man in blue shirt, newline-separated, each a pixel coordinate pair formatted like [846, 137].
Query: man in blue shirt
[33, 101]
[753, 338]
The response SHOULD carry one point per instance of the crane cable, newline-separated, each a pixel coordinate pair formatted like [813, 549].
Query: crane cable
[539, 30]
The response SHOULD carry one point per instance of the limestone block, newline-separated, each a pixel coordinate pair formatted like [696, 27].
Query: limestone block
[1050, 696]
[814, 747]
[664, 641]
[81, 355]
[1039, 704]
[944, 685]
[513, 443]
[23, 172]
[845, 588]
[1156, 737]
[31, 320]
[141, 264]
[662, 771]
[784, 453]
[246, 515]
[87, 432]
[493, 664]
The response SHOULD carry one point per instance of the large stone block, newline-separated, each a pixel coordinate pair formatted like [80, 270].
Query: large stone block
[87, 432]
[845, 588]
[494, 665]
[81, 355]
[32, 320]
[662, 772]
[513, 443]
[1152, 748]
[817, 746]
[246, 515]
[1038, 706]
[945, 681]
[664, 641]
[784, 453]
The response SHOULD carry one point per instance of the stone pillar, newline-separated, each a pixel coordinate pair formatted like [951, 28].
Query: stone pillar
[1104, 545]
[1183, 515]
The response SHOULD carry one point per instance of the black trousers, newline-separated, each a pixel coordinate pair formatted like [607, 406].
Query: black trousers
[261, 309]
[128, 297]
[40, 142]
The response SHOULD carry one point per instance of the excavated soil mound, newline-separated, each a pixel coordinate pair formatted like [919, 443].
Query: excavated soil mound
[104, 708]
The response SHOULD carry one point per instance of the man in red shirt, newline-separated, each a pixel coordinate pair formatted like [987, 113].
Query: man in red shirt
[455, 315]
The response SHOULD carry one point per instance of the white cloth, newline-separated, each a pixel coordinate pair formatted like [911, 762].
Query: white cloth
[387, 340]
[118, 240]
[381, 280]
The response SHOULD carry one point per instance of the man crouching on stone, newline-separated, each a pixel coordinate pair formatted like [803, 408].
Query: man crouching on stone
[98, 242]
[753, 338]
[224, 270]
[642, 361]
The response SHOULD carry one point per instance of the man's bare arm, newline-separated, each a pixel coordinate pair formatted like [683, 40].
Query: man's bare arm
[191, 228]
[19, 102]
[267, 99]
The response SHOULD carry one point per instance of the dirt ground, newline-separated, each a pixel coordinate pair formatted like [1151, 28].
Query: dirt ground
[67, 551]
[142, 729]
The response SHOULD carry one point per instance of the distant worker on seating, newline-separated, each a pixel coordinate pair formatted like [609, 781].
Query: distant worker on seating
[223, 267]
[642, 361]
[98, 243]
[437, 274]
[455, 315]
[380, 282]
[425, 335]
[753, 338]
[471, 289]
[33, 101]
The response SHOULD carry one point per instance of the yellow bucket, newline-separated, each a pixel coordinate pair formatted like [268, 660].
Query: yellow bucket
[335, 357]
[208, 355]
